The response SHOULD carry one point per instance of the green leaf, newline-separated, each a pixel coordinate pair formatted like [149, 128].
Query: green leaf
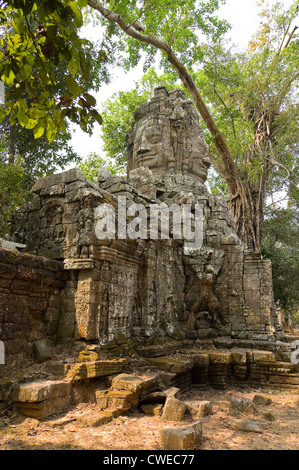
[52, 31]
[31, 123]
[73, 66]
[94, 113]
[51, 130]
[90, 99]
[39, 129]
[10, 78]
[73, 86]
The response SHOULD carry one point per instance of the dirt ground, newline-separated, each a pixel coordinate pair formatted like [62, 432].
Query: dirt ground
[279, 423]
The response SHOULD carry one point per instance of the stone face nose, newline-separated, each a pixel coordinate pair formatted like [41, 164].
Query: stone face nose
[207, 162]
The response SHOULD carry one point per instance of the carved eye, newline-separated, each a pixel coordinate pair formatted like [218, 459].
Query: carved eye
[153, 137]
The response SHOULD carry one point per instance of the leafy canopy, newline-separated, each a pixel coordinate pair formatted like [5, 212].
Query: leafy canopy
[35, 38]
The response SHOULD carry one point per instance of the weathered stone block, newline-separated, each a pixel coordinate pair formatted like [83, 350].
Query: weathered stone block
[174, 410]
[261, 400]
[127, 382]
[43, 409]
[246, 425]
[42, 350]
[240, 406]
[92, 369]
[181, 438]
[41, 390]
[263, 356]
[177, 439]
[152, 409]
[198, 409]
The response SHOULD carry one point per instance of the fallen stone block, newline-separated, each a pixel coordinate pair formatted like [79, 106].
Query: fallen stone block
[155, 397]
[161, 396]
[152, 409]
[173, 392]
[121, 400]
[261, 400]
[41, 390]
[199, 409]
[58, 370]
[41, 410]
[177, 439]
[246, 425]
[127, 382]
[42, 350]
[42, 398]
[269, 416]
[240, 406]
[87, 370]
[174, 410]
[182, 438]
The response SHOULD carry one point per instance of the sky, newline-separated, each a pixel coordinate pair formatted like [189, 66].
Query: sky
[241, 14]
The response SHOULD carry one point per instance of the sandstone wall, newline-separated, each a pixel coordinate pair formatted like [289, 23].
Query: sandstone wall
[30, 289]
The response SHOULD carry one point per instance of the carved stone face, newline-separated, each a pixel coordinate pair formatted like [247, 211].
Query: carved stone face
[166, 137]
[147, 147]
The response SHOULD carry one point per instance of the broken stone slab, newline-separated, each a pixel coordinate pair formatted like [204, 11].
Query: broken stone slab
[174, 410]
[95, 418]
[11, 245]
[199, 409]
[42, 350]
[261, 400]
[246, 425]
[182, 438]
[58, 370]
[61, 422]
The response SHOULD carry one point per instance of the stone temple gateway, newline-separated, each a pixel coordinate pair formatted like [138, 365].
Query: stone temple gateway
[205, 316]
[147, 287]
